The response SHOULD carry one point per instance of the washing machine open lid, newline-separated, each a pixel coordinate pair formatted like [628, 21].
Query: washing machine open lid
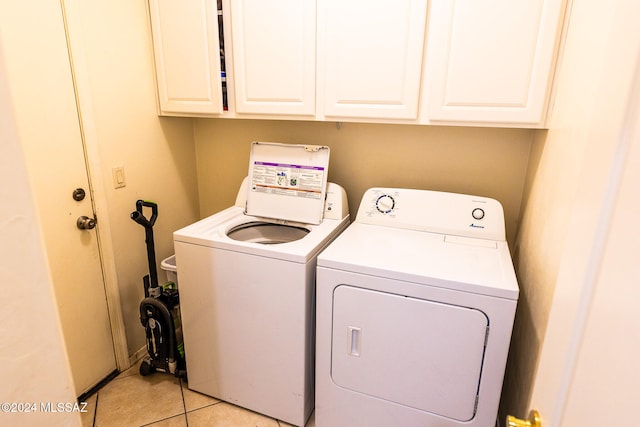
[287, 181]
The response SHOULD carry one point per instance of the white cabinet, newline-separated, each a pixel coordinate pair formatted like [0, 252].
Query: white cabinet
[490, 61]
[274, 56]
[452, 62]
[187, 59]
[370, 58]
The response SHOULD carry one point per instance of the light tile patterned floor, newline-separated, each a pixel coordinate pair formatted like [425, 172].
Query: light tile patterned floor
[161, 400]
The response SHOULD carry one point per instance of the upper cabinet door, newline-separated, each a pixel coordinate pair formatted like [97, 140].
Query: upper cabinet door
[491, 61]
[274, 56]
[370, 57]
[187, 56]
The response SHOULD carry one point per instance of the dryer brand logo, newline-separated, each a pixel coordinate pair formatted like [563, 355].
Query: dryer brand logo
[472, 225]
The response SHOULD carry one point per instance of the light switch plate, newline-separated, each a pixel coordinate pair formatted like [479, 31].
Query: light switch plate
[119, 180]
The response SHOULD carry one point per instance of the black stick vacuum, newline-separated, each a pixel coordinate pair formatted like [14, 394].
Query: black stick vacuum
[160, 309]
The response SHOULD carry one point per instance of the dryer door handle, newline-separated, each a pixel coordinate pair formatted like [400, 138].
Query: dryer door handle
[354, 336]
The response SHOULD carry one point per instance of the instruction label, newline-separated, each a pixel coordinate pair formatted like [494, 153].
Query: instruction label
[288, 180]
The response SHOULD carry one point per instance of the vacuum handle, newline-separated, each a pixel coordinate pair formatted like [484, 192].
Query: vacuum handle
[138, 215]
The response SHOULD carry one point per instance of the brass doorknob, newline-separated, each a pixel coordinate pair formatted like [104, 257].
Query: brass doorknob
[533, 421]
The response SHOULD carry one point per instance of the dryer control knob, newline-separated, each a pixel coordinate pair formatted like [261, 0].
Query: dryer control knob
[385, 203]
[477, 213]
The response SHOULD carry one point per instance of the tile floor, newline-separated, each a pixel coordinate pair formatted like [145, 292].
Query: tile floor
[162, 400]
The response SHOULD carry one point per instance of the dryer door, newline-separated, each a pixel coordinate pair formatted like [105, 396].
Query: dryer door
[417, 353]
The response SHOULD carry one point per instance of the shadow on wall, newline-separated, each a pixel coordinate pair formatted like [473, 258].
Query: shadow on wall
[487, 162]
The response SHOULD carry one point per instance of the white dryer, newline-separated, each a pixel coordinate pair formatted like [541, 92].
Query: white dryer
[247, 283]
[415, 307]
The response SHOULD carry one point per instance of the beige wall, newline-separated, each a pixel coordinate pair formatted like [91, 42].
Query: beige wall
[157, 153]
[480, 161]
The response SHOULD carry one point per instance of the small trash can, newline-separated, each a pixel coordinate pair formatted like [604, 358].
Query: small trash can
[169, 267]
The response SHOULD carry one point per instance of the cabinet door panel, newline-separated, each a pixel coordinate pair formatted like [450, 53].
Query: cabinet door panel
[274, 56]
[370, 54]
[491, 60]
[186, 50]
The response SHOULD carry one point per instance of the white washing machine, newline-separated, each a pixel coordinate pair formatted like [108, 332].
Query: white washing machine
[247, 283]
[415, 306]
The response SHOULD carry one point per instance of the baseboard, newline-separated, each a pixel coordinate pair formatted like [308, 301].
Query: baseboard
[84, 396]
[135, 357]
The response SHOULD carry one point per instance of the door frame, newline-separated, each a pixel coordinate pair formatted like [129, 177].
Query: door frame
[88, 133]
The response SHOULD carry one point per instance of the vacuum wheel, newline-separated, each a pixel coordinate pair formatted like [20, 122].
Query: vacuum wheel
[146, 368]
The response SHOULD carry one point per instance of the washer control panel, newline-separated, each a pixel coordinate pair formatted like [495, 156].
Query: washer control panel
[434, 211]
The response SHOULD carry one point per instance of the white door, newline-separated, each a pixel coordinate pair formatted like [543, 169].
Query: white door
[43, 100]
[588, 371]
[490, 60]
[274, 56]
[370, 57]
[186, 48]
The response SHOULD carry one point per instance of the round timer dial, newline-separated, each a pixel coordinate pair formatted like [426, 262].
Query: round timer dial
[385, 203]
[478, 213]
